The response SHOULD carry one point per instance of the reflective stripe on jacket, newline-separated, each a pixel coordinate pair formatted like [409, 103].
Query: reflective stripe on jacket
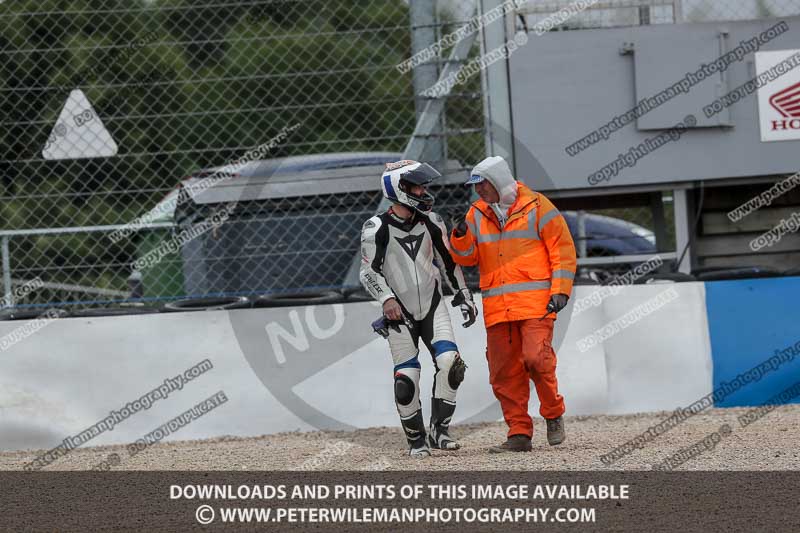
[522, 264]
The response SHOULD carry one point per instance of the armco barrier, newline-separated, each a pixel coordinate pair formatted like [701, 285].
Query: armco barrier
[70, 374]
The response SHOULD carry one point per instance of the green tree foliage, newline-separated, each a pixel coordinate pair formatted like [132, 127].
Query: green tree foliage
[182, 85]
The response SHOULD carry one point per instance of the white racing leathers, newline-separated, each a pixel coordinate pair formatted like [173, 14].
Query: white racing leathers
[408, 260]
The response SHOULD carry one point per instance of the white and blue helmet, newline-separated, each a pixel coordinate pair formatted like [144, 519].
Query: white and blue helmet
[399, 175]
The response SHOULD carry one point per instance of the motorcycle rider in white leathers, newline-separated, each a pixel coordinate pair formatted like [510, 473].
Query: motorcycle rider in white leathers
[404, 260]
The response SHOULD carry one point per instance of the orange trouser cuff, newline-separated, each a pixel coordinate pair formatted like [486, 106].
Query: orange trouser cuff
[517, 352]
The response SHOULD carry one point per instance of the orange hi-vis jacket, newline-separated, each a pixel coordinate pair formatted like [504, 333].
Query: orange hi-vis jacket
[523, 263]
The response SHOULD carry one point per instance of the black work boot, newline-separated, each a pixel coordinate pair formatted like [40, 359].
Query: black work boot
[439, 436]
[515, 443]
[555, 430]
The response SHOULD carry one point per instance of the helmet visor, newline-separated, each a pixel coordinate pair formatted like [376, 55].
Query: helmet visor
[421, 175]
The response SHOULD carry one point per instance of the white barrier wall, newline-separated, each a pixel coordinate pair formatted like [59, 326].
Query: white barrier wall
[664, 361]
[291, 369]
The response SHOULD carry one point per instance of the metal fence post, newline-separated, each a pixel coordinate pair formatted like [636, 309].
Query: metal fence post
[495, 83]
[8, 299]
[659, 220]
[677, 11]
[644, 15]
[424, 76]
[582, 234]
[683, 230]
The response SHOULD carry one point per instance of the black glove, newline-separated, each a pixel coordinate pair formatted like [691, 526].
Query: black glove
[469, 310]
[459, 225]
[557, 303]
[382, 325]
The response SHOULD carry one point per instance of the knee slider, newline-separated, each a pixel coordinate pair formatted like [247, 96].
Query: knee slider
[403, 389]
[456, 374]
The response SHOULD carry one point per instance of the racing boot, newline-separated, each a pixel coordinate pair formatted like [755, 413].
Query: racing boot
[419, 451]
[439, 437]
[414, 428]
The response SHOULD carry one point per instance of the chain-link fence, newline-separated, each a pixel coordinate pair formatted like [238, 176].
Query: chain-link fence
[278, 113]
[711, 10]
[610, 13]
[109, 106]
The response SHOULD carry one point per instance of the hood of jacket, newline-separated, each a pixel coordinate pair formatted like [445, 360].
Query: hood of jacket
[495, 169]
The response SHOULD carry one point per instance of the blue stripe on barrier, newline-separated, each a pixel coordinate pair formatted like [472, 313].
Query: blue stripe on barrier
[750, 321]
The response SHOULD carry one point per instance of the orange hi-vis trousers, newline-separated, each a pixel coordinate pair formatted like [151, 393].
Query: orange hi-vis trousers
[517, 352]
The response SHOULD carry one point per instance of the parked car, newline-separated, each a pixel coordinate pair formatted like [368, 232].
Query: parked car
[608, 236]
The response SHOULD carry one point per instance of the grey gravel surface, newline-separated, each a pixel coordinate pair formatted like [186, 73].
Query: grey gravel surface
[771, 443]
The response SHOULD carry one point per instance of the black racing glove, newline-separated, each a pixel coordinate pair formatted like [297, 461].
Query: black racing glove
[469, 310]
[382, 325]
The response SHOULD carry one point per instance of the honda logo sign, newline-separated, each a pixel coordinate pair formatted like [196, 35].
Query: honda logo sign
[779, 100]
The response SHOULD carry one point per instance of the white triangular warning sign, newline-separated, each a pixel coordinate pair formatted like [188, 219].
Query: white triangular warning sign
[79, 133]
